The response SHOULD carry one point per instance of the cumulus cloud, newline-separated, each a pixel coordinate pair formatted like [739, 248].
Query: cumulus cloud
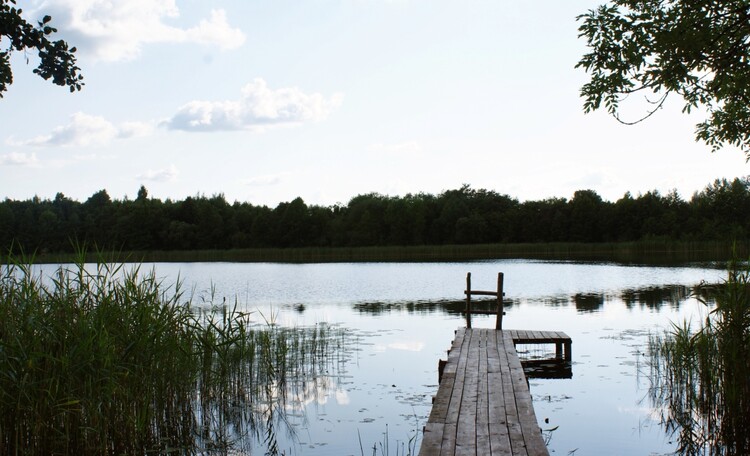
[18, 159]
[118, 30]
[86, 130]
[134, 129]
[215, 31]
[258, 107]
[160, 175]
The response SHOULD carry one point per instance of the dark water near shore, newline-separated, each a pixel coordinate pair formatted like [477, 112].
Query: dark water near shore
[399, 320]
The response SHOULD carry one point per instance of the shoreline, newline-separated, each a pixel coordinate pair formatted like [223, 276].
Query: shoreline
[653, 252]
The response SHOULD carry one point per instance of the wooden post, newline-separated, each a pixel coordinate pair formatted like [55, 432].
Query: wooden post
[563, 350]
[500, 305]
[468, 299]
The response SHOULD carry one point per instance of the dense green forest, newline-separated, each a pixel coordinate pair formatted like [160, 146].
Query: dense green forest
[721, 211]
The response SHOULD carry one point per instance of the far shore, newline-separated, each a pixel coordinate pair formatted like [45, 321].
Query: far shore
[657, 252]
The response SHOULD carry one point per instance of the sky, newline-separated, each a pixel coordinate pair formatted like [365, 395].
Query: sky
[264, 101]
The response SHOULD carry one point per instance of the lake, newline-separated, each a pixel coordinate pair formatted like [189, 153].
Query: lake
[399, 318]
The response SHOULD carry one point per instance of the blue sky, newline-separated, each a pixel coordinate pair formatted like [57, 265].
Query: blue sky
[265, 101]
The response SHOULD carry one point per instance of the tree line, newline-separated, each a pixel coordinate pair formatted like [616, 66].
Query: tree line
[721, 211]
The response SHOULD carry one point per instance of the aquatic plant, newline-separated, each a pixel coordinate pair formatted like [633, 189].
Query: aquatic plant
[105, 359]
[701, 377]
[402, 448]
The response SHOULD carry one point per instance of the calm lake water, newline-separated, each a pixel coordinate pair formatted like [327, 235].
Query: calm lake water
[399, 319]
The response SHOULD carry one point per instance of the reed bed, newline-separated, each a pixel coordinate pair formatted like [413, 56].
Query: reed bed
[641, 252]
[701, 377]
[105, 359]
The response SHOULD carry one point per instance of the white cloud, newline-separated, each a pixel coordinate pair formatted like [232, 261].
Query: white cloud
[134, 129]
[18, 159]
[118, 30]
[161, 175]
[215, 31]
[86, 130]
[259, 107]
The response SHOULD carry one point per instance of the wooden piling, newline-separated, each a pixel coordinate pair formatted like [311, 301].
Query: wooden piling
[468, 299]
[500, 304]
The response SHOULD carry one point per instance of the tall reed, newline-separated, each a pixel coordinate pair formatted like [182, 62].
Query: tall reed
[105, 359]
[701, 378]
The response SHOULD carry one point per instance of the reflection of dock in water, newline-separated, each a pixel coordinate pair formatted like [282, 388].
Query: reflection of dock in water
[483, 405]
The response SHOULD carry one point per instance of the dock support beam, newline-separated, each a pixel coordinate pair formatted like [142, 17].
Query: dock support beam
[500, 305]
[468, 299]
[563, 350]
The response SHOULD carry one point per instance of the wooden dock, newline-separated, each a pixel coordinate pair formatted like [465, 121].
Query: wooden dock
[483, 405]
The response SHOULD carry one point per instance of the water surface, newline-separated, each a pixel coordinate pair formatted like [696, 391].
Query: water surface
[400, 319]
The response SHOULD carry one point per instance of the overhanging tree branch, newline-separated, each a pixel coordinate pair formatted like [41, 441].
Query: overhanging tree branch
[57, 61]
[698, 50]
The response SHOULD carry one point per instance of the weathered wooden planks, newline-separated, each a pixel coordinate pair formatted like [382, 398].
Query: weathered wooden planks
[483, 405]
[563, 343]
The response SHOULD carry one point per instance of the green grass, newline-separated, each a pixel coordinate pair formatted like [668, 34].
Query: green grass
[105, 359]
[648, 252]
[701, 377]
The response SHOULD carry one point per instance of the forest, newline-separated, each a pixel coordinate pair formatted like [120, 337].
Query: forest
[721, 211]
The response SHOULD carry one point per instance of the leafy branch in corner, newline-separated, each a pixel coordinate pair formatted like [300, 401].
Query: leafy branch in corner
[697, 50]
[57, 61]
